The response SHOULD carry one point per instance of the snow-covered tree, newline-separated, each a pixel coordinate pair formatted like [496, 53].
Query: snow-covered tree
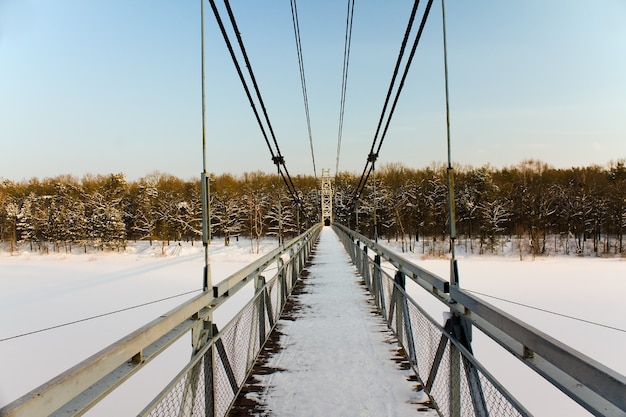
[493, 215]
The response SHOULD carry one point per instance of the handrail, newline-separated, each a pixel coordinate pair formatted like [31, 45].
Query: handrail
[76, 390]
[594, 386]
[424, 278]
[227, 286]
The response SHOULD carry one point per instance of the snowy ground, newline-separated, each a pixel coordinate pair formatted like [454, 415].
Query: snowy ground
[39, 291]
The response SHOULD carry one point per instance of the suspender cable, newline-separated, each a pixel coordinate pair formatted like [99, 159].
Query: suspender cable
[400, 86]
[344, 78]
[454, 272]
[296, 31]
[405, 74]
[204, 178]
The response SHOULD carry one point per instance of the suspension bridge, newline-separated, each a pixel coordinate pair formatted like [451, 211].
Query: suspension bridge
[331, 327]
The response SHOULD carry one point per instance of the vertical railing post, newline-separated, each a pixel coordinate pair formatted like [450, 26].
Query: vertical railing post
[201, 334]
[375, 289]
[406, 338]
[357, 260]
[457, 328]
[353, 247]
[365, 268]
[259, 284]
[377, 285]
[296, 261]
[209, 384]
[282, 279]
[400, 282]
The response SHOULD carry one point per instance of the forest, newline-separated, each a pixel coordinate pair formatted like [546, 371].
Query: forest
[533, 207]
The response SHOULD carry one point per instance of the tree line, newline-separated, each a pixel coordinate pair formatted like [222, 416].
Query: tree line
[540, 209]
[105, 211]
[537, 208]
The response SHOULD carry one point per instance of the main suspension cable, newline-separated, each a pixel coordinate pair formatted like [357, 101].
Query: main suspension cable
[373, 156]
[296, 31]
[344, 77]
[229, 45]
[279, 160]
[276, 155]
[233, 22]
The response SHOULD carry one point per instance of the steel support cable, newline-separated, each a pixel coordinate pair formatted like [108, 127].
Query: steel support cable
[296, 31]
[372, 156]
[344, 77]
[233, 22]
[229, 45]
[405, 74]
[531, 307]
[277, 158]
[97, 316]
[400, 87]
[549, 311]
[454, 272]
[395, 72]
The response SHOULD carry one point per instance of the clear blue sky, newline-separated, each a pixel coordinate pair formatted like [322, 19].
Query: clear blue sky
[105, 86]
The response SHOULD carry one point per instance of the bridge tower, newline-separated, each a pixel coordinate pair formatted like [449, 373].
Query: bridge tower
[327, 197]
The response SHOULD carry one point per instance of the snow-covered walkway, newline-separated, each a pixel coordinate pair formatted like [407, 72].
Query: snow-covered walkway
[336, 356]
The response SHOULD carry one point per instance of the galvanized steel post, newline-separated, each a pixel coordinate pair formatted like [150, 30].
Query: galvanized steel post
[259, 284]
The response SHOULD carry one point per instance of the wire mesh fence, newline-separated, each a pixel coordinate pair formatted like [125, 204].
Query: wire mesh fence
[211, 381]
[457, 384]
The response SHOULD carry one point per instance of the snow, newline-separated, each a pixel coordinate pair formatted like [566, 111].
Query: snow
[591, 289]
[38, 291]
[337, 354]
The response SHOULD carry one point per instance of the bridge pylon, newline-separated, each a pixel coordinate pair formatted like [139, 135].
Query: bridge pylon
[327, 197]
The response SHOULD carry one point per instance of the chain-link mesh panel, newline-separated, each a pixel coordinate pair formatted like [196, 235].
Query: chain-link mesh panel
[387, 288]
[427, 338]
[497, 404]
[231, 357]
[187, 396]
[475, 394]
[461, 389]
[275, 291]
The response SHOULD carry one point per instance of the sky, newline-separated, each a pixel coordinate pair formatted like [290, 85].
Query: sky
[115, 86]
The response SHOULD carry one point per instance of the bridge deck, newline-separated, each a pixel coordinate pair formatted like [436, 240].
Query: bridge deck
[332, 353]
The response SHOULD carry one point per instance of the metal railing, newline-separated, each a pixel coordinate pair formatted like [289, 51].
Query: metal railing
[210, 382]
[456, 382]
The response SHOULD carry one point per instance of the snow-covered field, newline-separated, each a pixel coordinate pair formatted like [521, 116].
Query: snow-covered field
[40, 291]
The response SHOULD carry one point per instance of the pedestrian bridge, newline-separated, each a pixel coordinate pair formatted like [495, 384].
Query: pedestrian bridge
[330, 330]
